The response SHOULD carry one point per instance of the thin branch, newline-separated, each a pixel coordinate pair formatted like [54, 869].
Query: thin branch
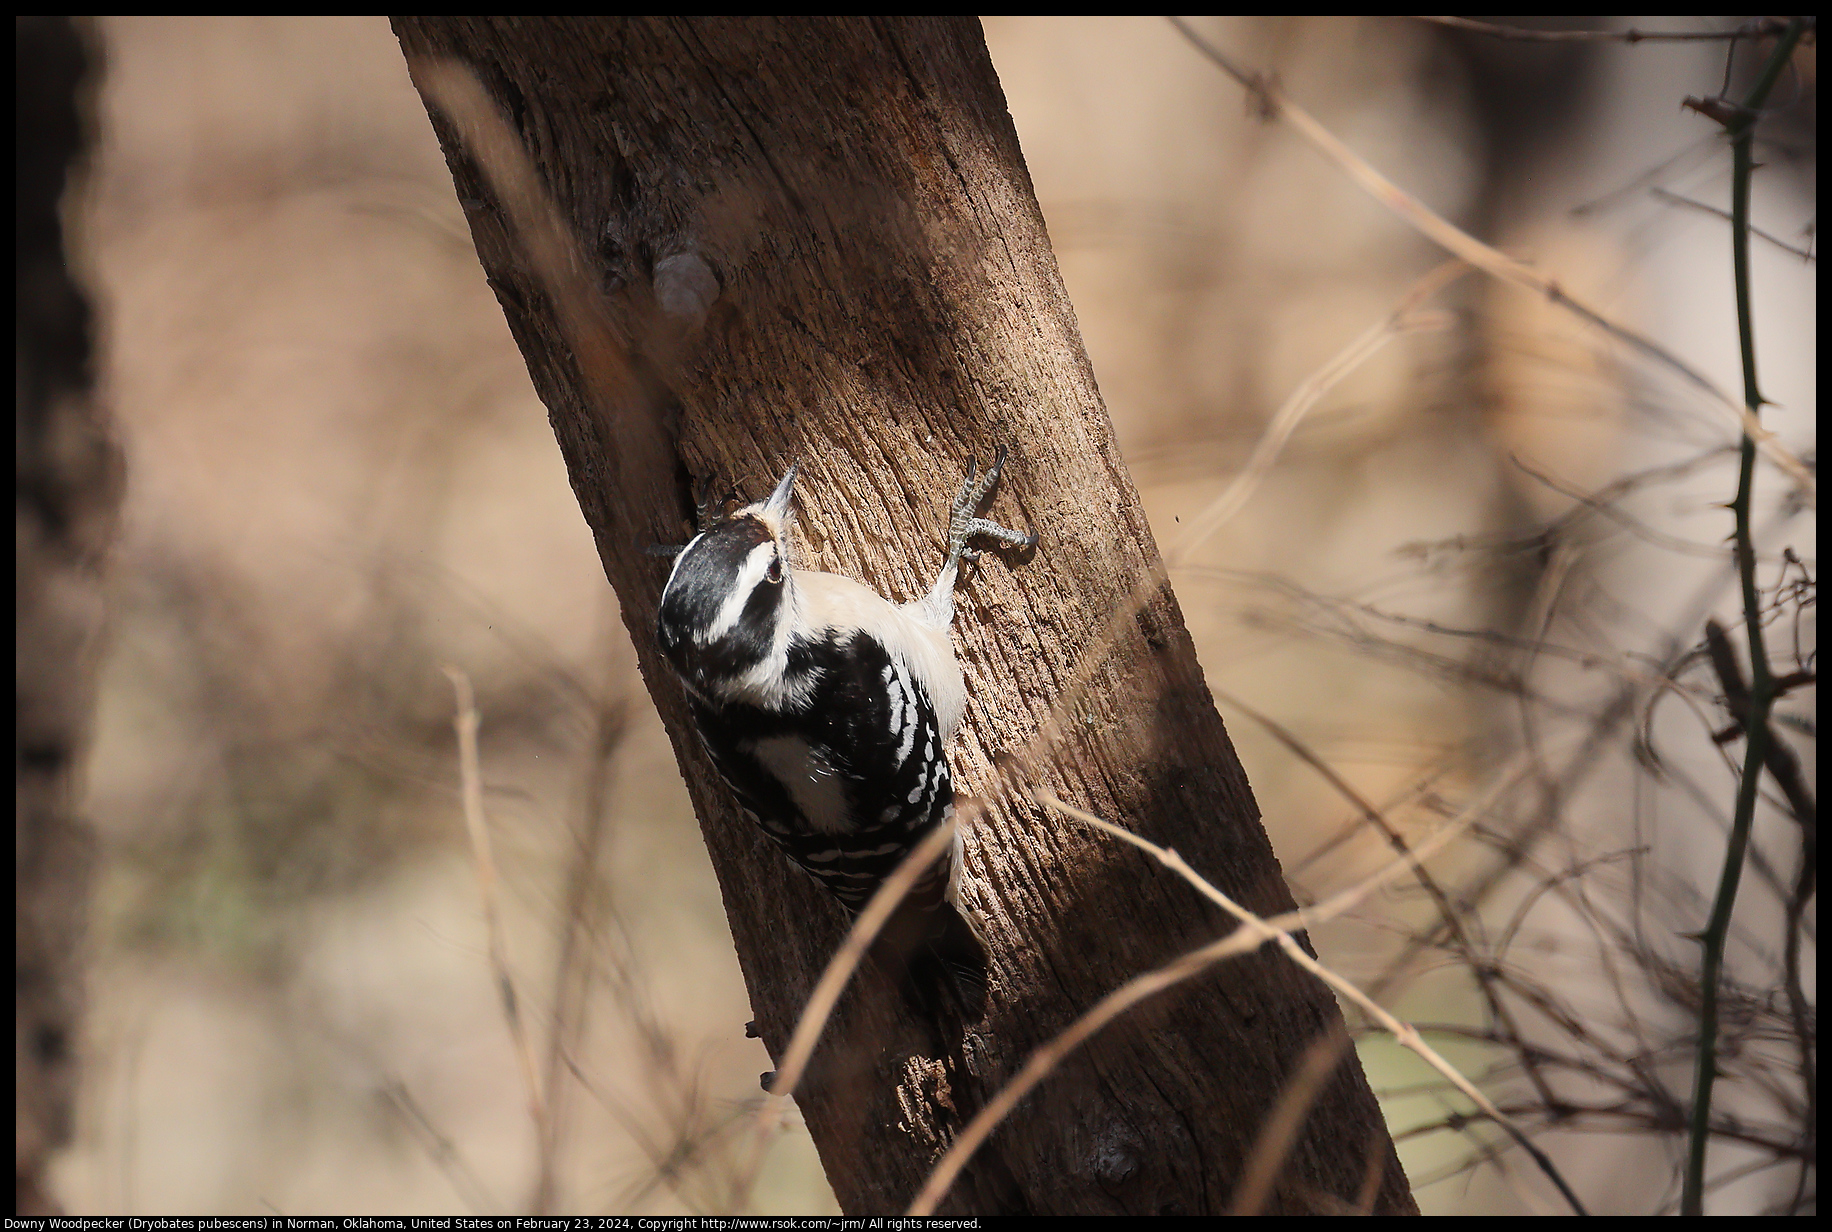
[794, 1062]
[1279, 1131]
[1344, 609]
[1481, 968]
[572, 972]
[1781, 762]
[1675, 199]
[612, 384]
[1694, 152]
[1274, 104]
[1756, 733]
[1240, 941]
[1408, 316]
[1619, 710]
[439, 1148]
[1266, 930]
[1607, 508]
[1540, 539]
[1760, 28]
[472, 783]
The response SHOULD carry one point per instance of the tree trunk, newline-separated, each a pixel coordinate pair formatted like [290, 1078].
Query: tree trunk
[67, 492]
[816, 241]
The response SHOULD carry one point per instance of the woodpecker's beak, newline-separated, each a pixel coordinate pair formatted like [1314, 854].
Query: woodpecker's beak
[778, 505]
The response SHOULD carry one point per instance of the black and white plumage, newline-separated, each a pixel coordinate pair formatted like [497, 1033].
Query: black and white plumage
[828, 709]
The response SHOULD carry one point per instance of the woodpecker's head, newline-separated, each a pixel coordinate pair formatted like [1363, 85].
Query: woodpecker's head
[729, 602]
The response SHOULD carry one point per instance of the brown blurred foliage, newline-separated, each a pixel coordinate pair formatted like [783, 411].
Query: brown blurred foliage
[340, 480]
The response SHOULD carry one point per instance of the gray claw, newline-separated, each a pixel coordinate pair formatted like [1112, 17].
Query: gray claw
[708, 508]
[963, 525]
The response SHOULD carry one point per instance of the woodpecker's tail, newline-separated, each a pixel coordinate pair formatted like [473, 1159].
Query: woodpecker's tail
[962, 955]
[938, 959]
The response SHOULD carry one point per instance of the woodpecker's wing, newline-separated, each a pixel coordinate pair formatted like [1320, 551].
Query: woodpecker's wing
[848, 783]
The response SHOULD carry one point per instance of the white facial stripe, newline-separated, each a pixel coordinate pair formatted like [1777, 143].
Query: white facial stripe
[749, 575]
[769, 684]
[681, 556]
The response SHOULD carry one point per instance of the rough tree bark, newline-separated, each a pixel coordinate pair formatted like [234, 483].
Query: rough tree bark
[816, 240]
[66, 495]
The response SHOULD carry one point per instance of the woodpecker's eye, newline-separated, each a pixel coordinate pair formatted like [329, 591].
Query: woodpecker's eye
[775, 573]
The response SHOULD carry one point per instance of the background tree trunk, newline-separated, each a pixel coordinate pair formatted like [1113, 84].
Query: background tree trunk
[66, 496]
[816, 241]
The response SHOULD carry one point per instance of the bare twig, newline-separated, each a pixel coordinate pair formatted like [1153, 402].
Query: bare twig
[1781, 762]
[572, 975]
[1408, 316]
[1267, 930]
[1606, 507]
[1784, 767]
[1760, 28]
[1756, 732]
[439, 1147]
[1449, 919]
[1459, 243]
[472, 785]
[794, 1061]
[612, 383]
[1241, 941]
[1279, 1131]
[1675, 199]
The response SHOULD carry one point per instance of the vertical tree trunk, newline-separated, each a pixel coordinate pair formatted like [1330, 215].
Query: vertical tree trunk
[66, 494]
[816, 241]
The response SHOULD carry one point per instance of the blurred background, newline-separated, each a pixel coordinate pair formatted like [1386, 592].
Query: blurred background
[1499, 534]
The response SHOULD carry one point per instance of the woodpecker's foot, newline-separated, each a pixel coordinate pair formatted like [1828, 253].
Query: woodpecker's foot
[709, 509]
[963, 525]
